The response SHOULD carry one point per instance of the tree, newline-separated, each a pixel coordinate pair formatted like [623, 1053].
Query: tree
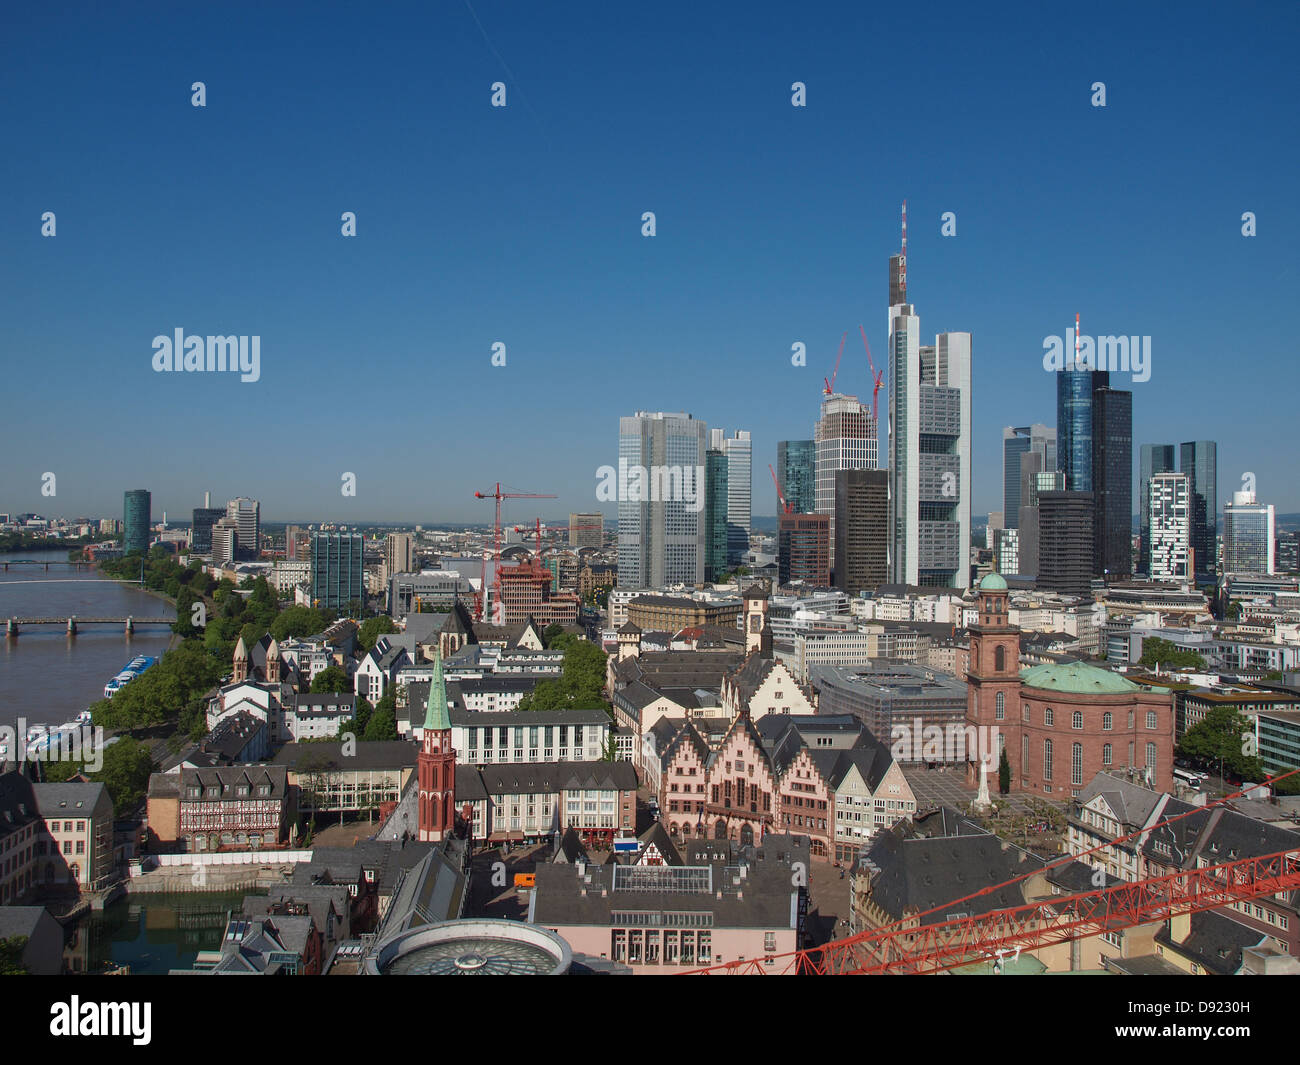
[372, 628]
[1223, 739]
[11, 956]
[1004, 774]
[581, 685]
[1158, 652]
[382, 726]
[551, 632]
[331, 679]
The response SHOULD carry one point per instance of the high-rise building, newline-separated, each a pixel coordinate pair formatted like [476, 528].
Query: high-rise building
[1155, 458]
[1074, 388]
[337, 570]
[1112, 479]
[661, 529]
[1018, 441]
[1065, 542]
[716, 478]
[796, 474]
[1199, 460]
[1028, 536]
[201, 529]
[1006, 552]
[929, 454]
[1248, 535]
[740, 475]
[1286, 553]
[1169, 528]
[586, 530]
[803, 549]
[292, 537]
[845, 438]
[861, 529]
[137, 522]
[247, 513]
[399, 553]
[225, 541]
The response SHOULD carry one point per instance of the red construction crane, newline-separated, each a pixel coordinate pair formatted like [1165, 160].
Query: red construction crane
[498, 495]
[876, 376]
[786, 508]
[830, 382]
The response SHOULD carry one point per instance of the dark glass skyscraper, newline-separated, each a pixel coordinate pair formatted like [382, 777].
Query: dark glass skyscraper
[1199, 459]
[1074, 388]
[1017, 442]
[1112, 479]
[201, 529]
[796, 472]
[1065, 542]
[336, 569]
[716, 486]
[861, 529]
[1156, 458]
[136, 521]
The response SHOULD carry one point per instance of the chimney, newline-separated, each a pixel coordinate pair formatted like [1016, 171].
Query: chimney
[207, 500]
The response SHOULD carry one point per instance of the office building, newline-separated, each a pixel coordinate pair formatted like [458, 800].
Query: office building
[1169, 529]
[1286, 553]
[1006, 552]
[796, 474]
[861, 529]
[716, 476]
[336, 570]
[1155, 458]
[586, 530]
[294, 539]
[225, 541]
[929, 454]
[1074, 388]
[399, 554]
[201, 529]
[845, 438]
[1037, 440]
[1112, 480]
[803, 549]
[1065, 542]
[1248, 535]
[661, 530]
[1199, 460]
[247, 515]
[739, 451]
[137, 524]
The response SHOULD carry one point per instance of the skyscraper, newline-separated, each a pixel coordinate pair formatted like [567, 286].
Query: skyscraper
[929, 454]
[137, 523]
[803, 549]
[336, 569]
[1028, 536]
[740, 479]
[247, 514]
[796, 474]
[1248, 535]
[661, 526]
[1199, 460]
[716, 477]
[225, 541]
[1155, 458]
[1018, 441]
[1168, 498]
[399, 553]
[1074, 388]
[586, 530]
[845, 438]
[1112, 479]
[861, 529]
[1065, 542]
[201, 529]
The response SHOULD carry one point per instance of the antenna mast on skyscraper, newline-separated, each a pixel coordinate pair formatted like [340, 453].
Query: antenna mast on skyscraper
[1076, 341]
[902, 259]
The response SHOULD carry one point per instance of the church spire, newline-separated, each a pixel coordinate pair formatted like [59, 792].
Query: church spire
[435, 710]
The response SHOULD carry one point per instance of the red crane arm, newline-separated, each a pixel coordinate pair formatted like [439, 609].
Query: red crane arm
[830, 385]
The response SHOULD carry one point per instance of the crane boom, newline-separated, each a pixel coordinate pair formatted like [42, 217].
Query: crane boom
[830, 383]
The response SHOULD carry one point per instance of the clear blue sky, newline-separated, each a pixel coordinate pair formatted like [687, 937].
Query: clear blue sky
[522, 225]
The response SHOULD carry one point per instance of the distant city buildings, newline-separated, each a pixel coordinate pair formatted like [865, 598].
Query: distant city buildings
[846, 439]
[803, 549]
[1248, 535]
[738, 450]
[337, 572]
[1037, 440]
[137, 524]
[1168, 528]
[1112, 479]
[1155, 458]
[586, 530]
[716, 495]
[224, 537]
[247, 515]
[1199, 460]
[202, 521]
[796, 474]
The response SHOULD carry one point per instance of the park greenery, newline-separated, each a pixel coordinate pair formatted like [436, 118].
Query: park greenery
[1163, 653]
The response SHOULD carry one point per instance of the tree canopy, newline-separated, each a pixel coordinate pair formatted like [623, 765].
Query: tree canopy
[1156, 651]
[581, 684]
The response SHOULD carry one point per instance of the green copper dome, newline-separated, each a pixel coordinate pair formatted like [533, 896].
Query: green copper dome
[993, 583]
[435, 710]
[1076, 678]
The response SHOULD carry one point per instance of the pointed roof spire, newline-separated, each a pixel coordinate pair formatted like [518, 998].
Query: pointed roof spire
[241, 652]
[435, 710]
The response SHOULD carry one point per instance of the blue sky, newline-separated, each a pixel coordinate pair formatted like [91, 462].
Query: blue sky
[523, 225]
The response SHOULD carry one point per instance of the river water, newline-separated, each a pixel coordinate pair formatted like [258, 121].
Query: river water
[48, 677]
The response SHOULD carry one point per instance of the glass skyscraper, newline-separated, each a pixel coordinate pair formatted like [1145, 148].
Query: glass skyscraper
[1018, 441]
[715, 514]
[1247, 535]
[136, 522]
[796, 473]
[336, 569]
[1112, 479]
[740, 488]
[1074, 387]
[1199, 459]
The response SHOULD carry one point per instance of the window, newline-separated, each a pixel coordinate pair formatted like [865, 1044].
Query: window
[1151, 758]
[1049, 717]
[1001, 706]
[1151, 719]
[1076, 765]
[1107, 720]
[1047, 759]
[1106, 754]
[1076, 719]
[1024, 714]
[999, 658]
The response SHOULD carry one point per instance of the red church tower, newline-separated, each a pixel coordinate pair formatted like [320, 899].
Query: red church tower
[436, 765]
[993, 680]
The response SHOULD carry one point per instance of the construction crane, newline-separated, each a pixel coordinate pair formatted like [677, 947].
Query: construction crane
[912, 946]
[498, 495]
[786, 508]
[876, 375]
[830, 382]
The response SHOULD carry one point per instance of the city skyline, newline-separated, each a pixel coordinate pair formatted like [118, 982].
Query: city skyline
[431, 282]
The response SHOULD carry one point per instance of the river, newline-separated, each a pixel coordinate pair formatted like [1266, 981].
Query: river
[47, 676]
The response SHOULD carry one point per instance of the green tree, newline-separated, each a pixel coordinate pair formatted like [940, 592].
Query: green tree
[372, 628]
[1004, 774]
[331, 679]
[1223, 739]
[11, 956]
[381, 726]
[1156, 651]
[298, 621]
[581, 684]
[551, 632]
